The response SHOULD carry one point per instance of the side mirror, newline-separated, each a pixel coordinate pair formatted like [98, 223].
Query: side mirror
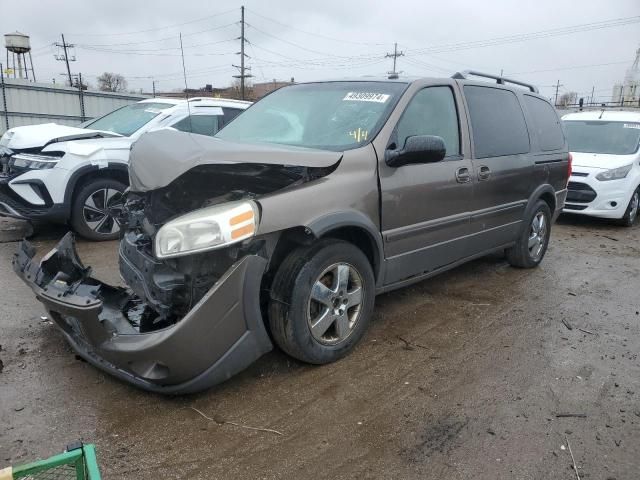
[417, 149]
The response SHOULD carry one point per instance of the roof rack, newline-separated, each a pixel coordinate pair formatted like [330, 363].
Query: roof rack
[499, 79]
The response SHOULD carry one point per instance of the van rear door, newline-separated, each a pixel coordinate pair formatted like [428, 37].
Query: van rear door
[502, 164]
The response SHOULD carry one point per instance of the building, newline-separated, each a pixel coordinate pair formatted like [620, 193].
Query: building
[628, 92]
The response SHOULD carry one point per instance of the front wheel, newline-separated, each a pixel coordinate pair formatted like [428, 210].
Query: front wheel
[532, 244]
[631, 214]
[322, 301]
[92, 212]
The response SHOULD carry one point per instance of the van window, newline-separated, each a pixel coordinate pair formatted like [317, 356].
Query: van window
[545, 122]
[432, 111]
[229, 114]
[497, 122]
[201, 124]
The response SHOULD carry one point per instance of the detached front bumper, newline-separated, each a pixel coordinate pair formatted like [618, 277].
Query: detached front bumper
[220, 336]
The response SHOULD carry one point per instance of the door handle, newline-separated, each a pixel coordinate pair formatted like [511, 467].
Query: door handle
[463, 175]
[484, 173]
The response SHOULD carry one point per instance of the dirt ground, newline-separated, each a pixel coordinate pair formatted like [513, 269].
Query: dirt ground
[468, 375]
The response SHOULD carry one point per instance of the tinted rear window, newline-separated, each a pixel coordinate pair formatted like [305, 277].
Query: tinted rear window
[497, 122]
[545, 123]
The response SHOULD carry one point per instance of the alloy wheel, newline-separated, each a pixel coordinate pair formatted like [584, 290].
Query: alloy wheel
[335, 304]
[97, 210]
[635, 203]
[537, 236]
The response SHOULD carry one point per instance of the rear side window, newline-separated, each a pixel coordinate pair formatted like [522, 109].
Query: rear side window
[497, 122]
[229, 114]
[432, 111]
[201, 124]
[545, 122]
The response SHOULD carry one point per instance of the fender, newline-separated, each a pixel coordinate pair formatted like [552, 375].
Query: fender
[543, 190]
[351, 218]
[73, 180]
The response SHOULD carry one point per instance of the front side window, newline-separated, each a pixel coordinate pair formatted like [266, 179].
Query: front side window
[200, 124]
[432, 111]
[128, 120]
[613, 138]
[497, 122]
[332, 115]
[545, 122]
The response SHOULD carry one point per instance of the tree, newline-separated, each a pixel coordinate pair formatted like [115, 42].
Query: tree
[112, 82]
[567, 98]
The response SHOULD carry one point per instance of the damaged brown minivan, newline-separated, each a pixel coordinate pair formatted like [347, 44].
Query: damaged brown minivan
[284, 227]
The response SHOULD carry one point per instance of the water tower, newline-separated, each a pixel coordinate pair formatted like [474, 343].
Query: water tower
[18, 47]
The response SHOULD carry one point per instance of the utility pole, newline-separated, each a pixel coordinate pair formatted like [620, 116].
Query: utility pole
[558, 85]
[394, 55]
[242, 67]
[153, 87]
[65, 46]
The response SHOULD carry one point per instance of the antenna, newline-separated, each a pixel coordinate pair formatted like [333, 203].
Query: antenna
[186, 87]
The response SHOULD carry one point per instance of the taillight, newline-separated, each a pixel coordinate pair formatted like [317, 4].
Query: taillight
[570, 167]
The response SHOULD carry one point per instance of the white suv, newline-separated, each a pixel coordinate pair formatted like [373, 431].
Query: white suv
[605, 181]
[77, 175]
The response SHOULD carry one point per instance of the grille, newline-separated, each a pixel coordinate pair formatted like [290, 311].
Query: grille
[580, 193]
[574, 207]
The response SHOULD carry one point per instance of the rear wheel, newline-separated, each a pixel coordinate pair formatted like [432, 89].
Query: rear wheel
[532, 244]
[92, 214]
[631, 214]
[322, 301]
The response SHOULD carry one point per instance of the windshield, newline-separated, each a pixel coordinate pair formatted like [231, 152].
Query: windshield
[614, 138]
[127, 120]
[331, 116]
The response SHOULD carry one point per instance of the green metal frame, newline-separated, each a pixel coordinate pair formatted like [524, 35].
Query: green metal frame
[84, 460]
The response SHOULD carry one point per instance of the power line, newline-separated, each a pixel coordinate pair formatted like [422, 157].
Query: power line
[617, 22]
[200, 19]
[172, 37]
[293, 44]
[310, 33]
[570, 67]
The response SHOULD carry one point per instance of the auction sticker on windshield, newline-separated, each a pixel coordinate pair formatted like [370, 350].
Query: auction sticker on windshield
[632, 125]
[366, 97]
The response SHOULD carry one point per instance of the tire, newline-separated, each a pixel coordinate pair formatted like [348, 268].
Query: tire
[532, 244]
[339, 321]
[631, 214]
[90, 215]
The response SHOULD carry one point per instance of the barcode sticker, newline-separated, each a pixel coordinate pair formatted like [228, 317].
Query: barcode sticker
[366, 97]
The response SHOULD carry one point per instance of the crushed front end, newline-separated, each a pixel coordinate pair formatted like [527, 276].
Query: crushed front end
[192, 258]
[115, 329]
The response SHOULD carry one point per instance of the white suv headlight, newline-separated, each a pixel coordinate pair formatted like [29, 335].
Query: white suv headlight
[614, 173]
[33, 161]
[207, 229]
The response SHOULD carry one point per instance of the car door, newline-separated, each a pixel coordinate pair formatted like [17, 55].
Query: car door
[502, 166]
[424, 207]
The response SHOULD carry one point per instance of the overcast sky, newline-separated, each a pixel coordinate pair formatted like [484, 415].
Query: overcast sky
[331, 38]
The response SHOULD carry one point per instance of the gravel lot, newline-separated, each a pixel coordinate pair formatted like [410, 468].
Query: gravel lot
[464, 376]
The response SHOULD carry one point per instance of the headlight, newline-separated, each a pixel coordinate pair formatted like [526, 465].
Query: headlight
[207, 229]
[615, 173]
[32, 161]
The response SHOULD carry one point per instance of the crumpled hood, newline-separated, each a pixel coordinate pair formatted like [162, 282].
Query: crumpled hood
[600, 160]
[34, 136]
[89, 147]
[161, 156]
